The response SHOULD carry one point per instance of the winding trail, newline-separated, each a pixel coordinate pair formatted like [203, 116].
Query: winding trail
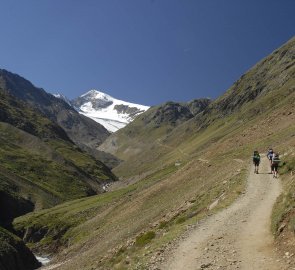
[238, 237]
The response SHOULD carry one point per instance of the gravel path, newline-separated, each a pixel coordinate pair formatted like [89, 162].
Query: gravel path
[239, 237]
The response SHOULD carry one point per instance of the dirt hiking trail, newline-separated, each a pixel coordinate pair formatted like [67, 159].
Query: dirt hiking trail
[238, 237]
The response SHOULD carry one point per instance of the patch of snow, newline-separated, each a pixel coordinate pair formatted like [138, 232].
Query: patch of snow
[64, 98]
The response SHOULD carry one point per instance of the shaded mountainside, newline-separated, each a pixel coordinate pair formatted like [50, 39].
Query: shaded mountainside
[14, 255]
[40, 166]
[19, 114]
[82, 130]
[179, 168]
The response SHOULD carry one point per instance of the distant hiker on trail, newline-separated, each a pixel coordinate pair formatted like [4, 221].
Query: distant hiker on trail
[256, 161]
[269, 155]
[275, 164]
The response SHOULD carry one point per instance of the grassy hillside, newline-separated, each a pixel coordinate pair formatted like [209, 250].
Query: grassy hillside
[39, 168]
[164, 202]
[267, 83]
[40, 162]
[179, 174]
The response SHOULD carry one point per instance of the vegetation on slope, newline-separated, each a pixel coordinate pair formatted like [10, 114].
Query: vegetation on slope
[167, 200]
[37, 153]
[283, 218]
[40, 167]
[270, 81]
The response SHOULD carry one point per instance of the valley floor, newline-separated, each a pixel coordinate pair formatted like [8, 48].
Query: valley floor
[239, 237]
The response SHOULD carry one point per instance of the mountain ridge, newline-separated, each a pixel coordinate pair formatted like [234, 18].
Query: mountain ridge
[78, 127]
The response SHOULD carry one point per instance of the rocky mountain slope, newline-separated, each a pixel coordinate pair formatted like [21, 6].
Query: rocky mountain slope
[179, 168]
[110, 112]
[80, 129]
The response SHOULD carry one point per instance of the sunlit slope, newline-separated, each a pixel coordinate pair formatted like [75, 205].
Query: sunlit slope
[163, 202]
[196, 167]
[146, 147]
[143, 138]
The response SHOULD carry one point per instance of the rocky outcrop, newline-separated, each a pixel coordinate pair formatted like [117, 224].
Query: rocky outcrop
[198, 105]
[125, 109]
[90, 97]
[174, 113]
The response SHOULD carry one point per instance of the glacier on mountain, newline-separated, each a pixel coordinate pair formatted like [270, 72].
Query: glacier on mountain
[110, 112]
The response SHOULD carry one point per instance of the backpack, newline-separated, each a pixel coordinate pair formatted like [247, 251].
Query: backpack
[270, 154]
[276, 160]
[256, 157]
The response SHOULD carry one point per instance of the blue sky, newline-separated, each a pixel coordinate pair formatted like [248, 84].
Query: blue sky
[143, 51]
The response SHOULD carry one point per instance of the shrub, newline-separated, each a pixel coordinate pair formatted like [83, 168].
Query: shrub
[180, 220]
[145, 238]
[163, 224]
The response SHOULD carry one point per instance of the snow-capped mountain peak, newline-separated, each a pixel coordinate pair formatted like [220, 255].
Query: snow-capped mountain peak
[97, 95]
[112, 113]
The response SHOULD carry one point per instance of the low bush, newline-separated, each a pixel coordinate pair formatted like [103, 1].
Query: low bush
[145, 238]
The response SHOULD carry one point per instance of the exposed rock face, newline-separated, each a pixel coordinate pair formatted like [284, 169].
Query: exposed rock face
[14, 255]
[125, 109]
[91, 97]
[174, 113]
[198, 105]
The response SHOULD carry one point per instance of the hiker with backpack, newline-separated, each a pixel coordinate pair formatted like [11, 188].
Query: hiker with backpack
[275, 164]
[256, 161]
[269, 155]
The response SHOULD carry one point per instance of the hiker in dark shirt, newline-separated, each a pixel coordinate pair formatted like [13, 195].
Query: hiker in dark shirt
[256, 161]
[275, 164]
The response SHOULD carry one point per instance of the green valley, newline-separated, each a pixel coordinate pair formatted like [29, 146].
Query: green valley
[181, 163]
